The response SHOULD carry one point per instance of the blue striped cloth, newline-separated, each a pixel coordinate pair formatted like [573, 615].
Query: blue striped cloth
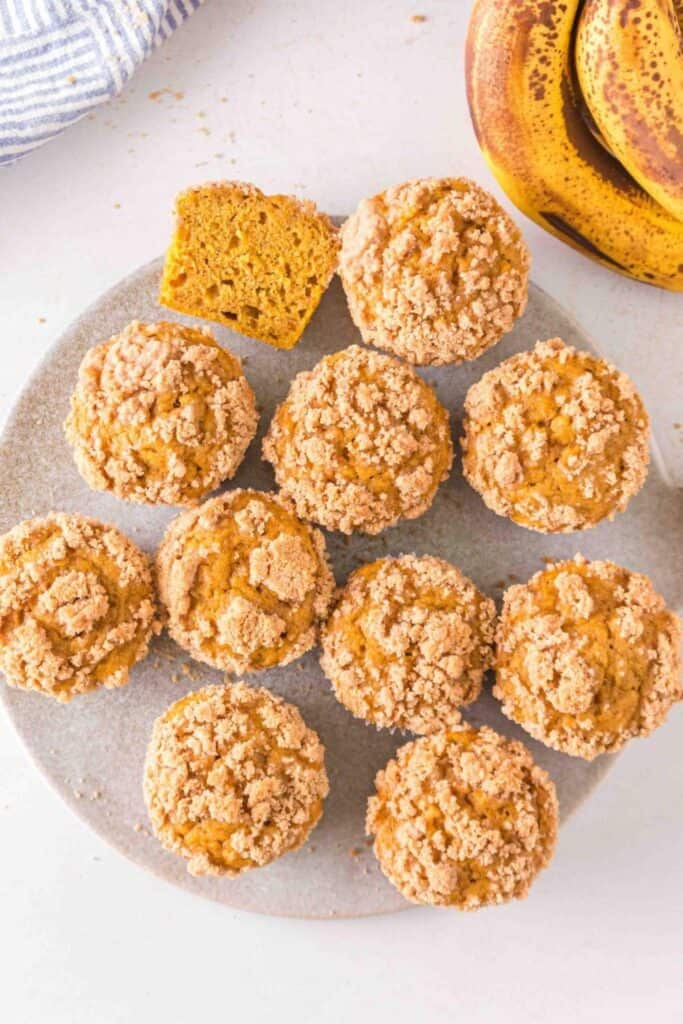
[60, 58]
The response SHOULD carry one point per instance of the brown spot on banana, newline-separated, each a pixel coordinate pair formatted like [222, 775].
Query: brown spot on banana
[527, 116]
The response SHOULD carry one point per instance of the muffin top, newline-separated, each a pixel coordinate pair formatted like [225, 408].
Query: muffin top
[434, 270]
[233, 779]
[77, 605]
[463, 819]
[408, 643]
[555, 439]
[161, 414]
[360, 442]
[244, 582]
[588, 657]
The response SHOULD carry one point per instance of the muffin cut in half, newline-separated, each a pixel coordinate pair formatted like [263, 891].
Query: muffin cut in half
[258, 264]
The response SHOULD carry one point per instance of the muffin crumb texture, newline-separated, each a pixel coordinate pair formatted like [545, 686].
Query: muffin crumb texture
[258, 264]
[434, 270]
[555, 439]
[233, 779]
[245, 583]
[360, 442]
[408, 643]
[77, 607]
[463, 819]
[588, 657]
[161, 414]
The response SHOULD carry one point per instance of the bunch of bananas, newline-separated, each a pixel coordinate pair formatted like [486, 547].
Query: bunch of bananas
[578, 108]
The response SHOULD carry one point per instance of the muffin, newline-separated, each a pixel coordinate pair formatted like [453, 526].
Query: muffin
[555, 439]
[434, 270]
[360, 442]
[161, 414]
[408, 643]
[588, 656]
[463, 819]
[77, 606]
[258, 264]
[244, 582]
[233, 779]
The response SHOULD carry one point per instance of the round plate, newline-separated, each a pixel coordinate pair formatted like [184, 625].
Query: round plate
[92, 750]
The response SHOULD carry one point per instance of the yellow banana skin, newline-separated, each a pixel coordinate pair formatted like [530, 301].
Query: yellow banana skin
[629, 60]
[528, 120]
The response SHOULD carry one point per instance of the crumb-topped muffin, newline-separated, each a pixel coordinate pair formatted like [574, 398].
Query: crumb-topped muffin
[555, 439]
[434, 270]
[233, 779]
[244, 582]
[408, 642]
[258, 264]
[161, 414]
[588, 657]
[77, 607]
[463, 819]
[360, 442]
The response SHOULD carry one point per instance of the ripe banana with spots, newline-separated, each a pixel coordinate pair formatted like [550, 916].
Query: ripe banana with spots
[530, 121]
[629, 62]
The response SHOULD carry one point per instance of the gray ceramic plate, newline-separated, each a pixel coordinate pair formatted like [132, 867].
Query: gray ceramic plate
[92, 751]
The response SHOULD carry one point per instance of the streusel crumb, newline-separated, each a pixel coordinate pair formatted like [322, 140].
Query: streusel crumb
[555, 439]
[463, 819]
[588, 657]
[245, 583]
[360, 442]
[434, 270]
[233, 779]
[161, 414]
[77, 606]
[408, 643]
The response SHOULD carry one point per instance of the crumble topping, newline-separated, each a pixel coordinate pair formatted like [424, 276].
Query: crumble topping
[434, 270]
[245, 583]
[360, 442]
[555, 439]
[161, 414]
[463, 819]
[408, 643]
[588, 657]
[77, 606]
[233, 779]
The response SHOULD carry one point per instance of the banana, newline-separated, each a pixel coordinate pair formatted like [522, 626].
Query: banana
[629, 60]
[527, 116]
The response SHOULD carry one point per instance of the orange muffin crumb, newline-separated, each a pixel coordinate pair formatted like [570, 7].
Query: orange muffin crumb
[408, 643]
[434, 270]
[233, 779]
[258, 264]
[161, 414]
[555, 439]
[360, 442]
[77, 606]
[463, 819]
[245, 583]
[588, 657]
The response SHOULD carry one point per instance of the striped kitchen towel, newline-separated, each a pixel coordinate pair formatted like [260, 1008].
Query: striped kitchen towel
[60, 58]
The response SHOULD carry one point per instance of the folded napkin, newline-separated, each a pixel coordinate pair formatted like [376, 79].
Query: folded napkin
[60, 58]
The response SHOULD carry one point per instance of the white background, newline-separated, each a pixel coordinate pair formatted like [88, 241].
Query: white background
[334, 100]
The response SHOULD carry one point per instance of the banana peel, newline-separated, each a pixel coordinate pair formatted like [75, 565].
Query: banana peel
[527, 115]
[629, 62]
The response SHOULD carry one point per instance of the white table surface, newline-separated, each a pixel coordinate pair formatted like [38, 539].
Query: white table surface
[335, 101]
